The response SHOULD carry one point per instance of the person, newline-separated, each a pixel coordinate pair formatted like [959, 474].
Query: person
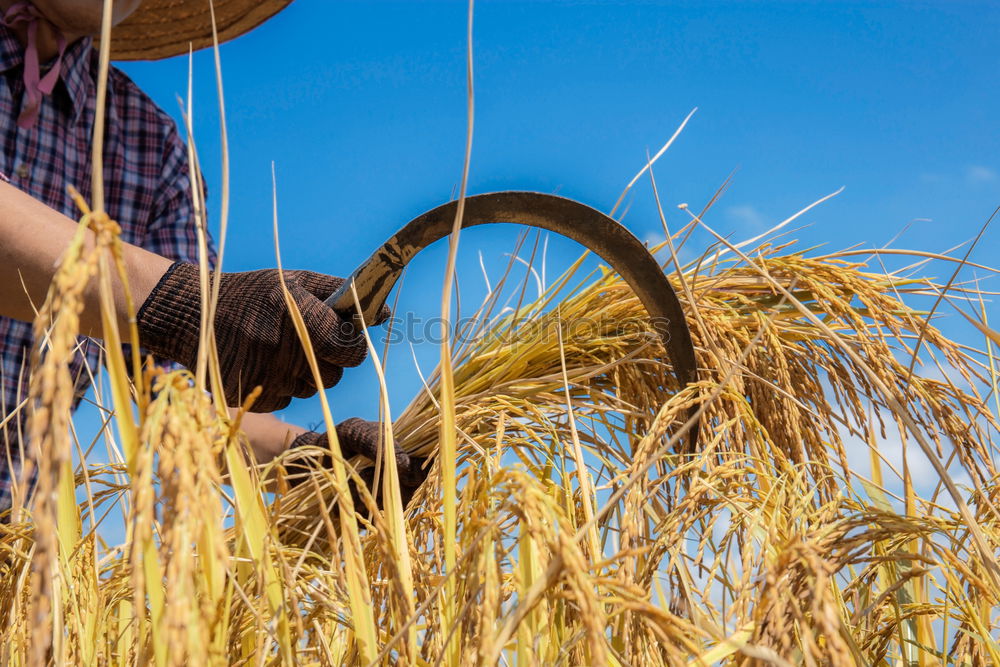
[47, 106]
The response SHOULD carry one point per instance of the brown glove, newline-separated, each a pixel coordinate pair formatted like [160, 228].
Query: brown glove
[254, 333]
[358, 437]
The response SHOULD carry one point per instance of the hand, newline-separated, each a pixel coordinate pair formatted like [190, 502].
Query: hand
[359, 437]
[254, 333]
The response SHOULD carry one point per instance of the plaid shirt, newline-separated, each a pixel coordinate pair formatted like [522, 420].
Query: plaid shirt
[147, 189]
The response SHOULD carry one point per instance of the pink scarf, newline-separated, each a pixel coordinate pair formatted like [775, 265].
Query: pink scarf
[35, 85]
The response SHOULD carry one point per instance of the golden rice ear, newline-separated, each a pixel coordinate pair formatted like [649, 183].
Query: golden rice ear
[782, 515]
[559, 524]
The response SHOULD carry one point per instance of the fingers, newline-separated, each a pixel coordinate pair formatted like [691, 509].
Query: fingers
[305, 386]
[365, 438]
[300, 467]
[361, 435]
[319, 285]
[270, 403]
[413, 473]
[323, 286]
[334, 340]
[407, 493]
[330, 374]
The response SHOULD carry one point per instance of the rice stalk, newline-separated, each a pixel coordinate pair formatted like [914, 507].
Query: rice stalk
[797, 535]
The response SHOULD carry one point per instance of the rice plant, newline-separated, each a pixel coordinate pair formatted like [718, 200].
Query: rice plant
[564, 521]
[585, 534]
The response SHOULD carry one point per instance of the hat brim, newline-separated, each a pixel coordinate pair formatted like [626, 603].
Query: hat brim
[165, 28]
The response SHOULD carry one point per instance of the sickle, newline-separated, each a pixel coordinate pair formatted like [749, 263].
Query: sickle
[597, 232]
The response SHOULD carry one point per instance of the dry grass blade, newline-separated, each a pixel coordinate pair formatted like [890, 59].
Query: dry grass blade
[689, 558]
[559, 523]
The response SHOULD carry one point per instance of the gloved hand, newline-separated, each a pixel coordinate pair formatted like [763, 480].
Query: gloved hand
[358, 437]
[254, 333]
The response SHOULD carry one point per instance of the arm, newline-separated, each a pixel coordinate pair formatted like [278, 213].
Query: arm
[34, 237]
[268, 435]
[257, 341]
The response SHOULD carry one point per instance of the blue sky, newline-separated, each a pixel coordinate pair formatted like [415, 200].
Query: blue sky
[361, 105]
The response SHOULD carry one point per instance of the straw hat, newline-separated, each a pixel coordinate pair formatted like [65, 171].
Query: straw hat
[164, 28]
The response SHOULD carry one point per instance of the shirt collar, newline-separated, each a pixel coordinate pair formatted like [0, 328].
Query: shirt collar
[76, 72]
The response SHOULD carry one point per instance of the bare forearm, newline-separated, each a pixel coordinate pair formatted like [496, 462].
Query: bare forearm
[268, 435]
[254, 326]
[34, 237]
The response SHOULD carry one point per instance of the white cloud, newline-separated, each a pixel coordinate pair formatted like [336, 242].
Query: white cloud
[747, 217]
[925, 477]
[944, 373]
[977, 174]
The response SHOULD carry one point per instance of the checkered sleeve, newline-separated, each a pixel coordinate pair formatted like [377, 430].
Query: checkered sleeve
[172, 232]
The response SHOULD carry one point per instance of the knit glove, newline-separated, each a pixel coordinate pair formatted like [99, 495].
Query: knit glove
[254, 333]
[357, 437]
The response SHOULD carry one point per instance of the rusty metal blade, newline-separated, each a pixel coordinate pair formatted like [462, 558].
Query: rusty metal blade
[599, 233]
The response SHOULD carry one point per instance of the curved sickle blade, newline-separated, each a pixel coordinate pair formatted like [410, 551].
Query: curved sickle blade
[597, 232]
